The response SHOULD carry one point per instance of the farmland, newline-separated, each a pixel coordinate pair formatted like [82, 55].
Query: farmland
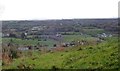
[50, 42]
[60, 44]
[89, 57]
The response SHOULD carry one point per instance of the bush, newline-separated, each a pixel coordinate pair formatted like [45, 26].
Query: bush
[14, 54]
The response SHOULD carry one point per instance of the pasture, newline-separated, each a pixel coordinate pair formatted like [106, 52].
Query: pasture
[60, 44]
[49, 42]
[102, 56]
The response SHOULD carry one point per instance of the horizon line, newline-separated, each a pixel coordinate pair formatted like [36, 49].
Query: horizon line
[55, 19]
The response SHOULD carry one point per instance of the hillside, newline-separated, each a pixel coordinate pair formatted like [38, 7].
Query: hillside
[101, 56]
[60, 44]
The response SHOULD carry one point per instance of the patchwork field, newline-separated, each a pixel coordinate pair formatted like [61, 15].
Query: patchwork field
[60, 44]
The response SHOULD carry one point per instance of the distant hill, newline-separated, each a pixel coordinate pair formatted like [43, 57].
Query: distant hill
[107, 24]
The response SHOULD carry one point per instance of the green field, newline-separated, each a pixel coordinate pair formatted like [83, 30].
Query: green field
[101, 56]
[49, 42]
[93, 31]
[29, 42]
[69, 38]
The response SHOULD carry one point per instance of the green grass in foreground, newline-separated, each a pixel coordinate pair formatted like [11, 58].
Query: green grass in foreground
[104, 56]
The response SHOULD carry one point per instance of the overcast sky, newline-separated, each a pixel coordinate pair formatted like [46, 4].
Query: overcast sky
[57, 9]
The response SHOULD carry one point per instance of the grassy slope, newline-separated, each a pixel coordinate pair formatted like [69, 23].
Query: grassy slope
[104, 55]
